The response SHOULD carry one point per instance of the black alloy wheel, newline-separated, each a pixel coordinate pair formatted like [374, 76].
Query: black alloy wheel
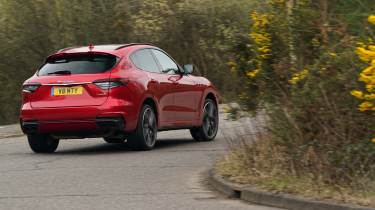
[144, 138]
[210, 123]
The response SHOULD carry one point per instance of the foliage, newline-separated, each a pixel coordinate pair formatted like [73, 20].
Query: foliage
[305, 82]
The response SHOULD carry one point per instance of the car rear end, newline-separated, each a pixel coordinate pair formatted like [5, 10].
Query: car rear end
[70, 96]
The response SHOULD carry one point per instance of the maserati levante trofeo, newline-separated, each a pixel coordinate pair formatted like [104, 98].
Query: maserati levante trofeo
[123, 93]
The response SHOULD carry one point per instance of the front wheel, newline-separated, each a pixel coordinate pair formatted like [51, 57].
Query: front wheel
[208, 130]
[42, 143]
[144, 137]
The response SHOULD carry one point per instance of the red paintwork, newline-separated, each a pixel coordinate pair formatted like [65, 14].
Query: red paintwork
[178, 98]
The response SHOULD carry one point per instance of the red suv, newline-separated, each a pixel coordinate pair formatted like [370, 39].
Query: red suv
[123, 93]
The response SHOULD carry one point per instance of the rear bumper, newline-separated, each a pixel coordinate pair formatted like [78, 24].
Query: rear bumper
[29, 127]
[101, 126]
[85, 120]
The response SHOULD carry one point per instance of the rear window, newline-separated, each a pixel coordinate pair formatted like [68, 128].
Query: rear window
[82, 64]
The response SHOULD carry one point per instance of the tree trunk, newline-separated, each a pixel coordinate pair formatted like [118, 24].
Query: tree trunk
[292, 51]
[323, 10]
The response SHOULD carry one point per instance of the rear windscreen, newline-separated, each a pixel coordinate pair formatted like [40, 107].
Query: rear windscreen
[82, 64]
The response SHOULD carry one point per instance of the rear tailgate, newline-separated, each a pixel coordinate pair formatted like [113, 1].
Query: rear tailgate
[69, 91]
[67, 81]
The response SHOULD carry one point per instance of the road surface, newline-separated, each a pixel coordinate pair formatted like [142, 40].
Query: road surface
[91, 174]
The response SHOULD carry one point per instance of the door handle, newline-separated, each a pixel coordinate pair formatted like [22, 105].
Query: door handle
[173, 80]
[153, 82]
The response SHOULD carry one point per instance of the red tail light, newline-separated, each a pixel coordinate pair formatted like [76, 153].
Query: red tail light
[107, 84]
[30, 88]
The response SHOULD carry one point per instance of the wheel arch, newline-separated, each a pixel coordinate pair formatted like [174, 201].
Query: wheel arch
[209, 94]
[212, 94]
[151, 102]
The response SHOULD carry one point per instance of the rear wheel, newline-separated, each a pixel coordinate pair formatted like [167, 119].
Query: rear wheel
[210, 125]
[112, 140]
[145, 135]
[42, 143]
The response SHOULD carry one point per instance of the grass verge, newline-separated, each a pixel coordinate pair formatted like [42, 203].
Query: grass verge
[263, 164]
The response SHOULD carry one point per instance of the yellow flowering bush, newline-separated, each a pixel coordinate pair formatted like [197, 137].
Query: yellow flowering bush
[367, 76]
[302, 71]
[262, 40]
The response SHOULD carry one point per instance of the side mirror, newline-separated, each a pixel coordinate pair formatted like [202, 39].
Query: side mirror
[188, 68]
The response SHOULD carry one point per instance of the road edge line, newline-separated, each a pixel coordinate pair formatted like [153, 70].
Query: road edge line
[7, 136]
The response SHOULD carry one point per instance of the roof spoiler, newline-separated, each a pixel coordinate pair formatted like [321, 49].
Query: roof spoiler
[132, 44]
[66, 49]
[62, 54]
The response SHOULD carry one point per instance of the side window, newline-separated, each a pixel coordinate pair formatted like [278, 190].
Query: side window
[144, 60]
[167, 64]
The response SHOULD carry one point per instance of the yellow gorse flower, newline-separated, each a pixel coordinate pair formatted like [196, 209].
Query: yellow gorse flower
[371, 19]
[357, 93]
[370, 88]
[365, 106]
[232, 65]
[332, 54]
[252, 74]
[367, 54]
[369, 97]
[299, 76]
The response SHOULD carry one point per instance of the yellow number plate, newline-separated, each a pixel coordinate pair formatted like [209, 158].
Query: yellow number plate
[67, 91]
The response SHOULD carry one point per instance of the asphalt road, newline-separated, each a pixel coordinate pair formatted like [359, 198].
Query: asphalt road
[91, 174]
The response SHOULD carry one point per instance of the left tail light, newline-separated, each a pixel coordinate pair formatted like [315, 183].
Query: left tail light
[107, 84]
[30, 88]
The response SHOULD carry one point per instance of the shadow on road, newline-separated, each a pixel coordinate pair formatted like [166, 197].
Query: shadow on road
[119, 148]
[166, 143]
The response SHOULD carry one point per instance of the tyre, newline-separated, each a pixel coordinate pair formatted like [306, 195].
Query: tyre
[114, 140]
[208, 130]
[145, 135]
[42, 143]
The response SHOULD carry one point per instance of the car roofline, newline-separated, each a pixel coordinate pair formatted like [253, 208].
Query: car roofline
[115, 49]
